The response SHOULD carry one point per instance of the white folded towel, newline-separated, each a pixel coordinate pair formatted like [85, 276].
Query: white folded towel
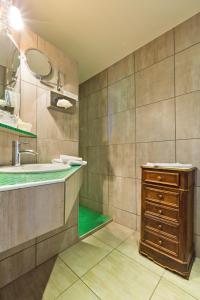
[77, 163]
[66, 158]
[64, 103]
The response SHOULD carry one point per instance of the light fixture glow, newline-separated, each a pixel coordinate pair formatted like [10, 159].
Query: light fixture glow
[14, 18]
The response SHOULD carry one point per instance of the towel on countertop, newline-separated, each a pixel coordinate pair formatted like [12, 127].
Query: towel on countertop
[70, 160]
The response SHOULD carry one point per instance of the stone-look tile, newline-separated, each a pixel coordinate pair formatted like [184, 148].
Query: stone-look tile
[121, 127]
[197, 245]
[187, 70]
[56, 244]
[138, 225]
[118, 277]
[83, 112]
[98, 188]
[167, 290]
[29, 144]
[49, 149]
[158, 49]
[83, 136]
[78, 291]
[98, 160]
[154, 152]
[155, 83]
[187, 116]
[121, 95]
[100, 207]
[156, 122]
[84, 188]
[190, 286]
[124, 218]
[6, 148]
[26, 74]
[187, 33]
[121, 69]
[113, 234]
[138, 196]
[97, 104]
[85, 254]
[130, 248]
[16, 265]
[122, 193]
[197, 211]
[98, 132]
[187, 151]
[94, 84]
[28, 104]
[122, 160]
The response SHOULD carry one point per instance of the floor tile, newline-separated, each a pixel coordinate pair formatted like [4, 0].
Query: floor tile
[118, 277]
[113, 234]
[78, 291]
[131, 248]
[191, 286]
[85, 254]
[168, 291]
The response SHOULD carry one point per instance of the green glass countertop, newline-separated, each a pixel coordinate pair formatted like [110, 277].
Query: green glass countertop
[10, 179]
[16, 131]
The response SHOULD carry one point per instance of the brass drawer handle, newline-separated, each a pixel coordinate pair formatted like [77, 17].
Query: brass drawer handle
[159, 226]
[159, 177]
[160, 211]
[160, 242]
[160, 196]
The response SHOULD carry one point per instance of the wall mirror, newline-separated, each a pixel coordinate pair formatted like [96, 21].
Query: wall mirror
[38, 63]
[9, 75]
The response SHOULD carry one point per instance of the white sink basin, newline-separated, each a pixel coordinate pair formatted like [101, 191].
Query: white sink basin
[169, 165]
[35, 168]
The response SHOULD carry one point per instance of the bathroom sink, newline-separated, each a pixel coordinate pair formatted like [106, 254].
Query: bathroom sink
[35, 168]
[169, 165]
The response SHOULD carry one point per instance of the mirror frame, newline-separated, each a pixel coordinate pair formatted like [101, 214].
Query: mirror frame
[40, 77]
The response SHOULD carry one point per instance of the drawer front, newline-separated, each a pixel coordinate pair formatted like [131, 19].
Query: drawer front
[161, 211]
[161, 227]
[165, 178]
[161, 196]
[163, 244]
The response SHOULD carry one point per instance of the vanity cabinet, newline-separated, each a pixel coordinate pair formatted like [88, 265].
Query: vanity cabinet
[167, 217]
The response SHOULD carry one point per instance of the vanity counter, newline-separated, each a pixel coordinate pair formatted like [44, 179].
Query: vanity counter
[11, 181]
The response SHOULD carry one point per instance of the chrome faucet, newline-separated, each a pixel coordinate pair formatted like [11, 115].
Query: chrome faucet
[16, 152]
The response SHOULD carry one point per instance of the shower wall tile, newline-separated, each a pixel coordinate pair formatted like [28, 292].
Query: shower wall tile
[121, 69]
[121, 127]
[98, 132]
[187, 33]
[121, 95]
[83, 111]
[98, 160]
[187, 70]
[187, 116]
[155, 83]
[158, 49]
[98, 187]
[154, 152]
[122, 188]
[156, 122]
[97, 104]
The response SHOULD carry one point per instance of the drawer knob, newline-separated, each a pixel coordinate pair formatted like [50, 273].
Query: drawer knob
[159, 177]
[160, 242]
[160, 196]
[160, 211]
[160, 226]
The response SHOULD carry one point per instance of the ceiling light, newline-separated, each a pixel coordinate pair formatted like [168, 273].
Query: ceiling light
[14, 18]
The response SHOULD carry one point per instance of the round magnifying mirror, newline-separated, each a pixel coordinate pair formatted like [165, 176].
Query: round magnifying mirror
[38, 63]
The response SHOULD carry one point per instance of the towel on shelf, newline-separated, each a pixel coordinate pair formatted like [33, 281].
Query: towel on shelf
[64, 103]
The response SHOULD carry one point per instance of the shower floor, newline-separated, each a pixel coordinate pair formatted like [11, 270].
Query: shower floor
[89, 219]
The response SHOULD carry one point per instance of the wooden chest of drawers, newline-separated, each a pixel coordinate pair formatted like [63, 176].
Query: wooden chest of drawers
[167, 217]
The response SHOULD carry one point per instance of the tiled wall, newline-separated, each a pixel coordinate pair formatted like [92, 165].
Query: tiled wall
[145, 107]
[57, 133]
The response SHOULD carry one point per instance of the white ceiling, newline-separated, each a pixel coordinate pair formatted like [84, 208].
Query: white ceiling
[97, 33]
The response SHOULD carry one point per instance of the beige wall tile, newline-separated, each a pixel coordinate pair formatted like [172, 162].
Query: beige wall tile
[197, 245]
[121, 69]
[28, 40]
[6, 148]
[155, 51]
[138, 196]
[98, 160]
[121, 95]
[187, 66]
[16, 265]
[187, 116]
[187, 33]
[138, 220]
[154, 152]
[98, 188]
[155, 83]
[156, 122]
[187, 151]
[124, 218]
[98, 132]
[121, 127]
[83, 111]
[84, 188]
[122, 193]
[197, 211]
[97, 104]
[96, 83]
[122, 160]
[83, 136]
[96, 206]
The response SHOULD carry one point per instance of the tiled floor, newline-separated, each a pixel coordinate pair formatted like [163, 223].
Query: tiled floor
[106, 265]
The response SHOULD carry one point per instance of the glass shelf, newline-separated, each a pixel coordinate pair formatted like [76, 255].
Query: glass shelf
[16, 131]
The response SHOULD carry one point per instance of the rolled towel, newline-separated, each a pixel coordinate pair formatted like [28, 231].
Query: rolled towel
[64, 103]
[77, 163]
[66, 158]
